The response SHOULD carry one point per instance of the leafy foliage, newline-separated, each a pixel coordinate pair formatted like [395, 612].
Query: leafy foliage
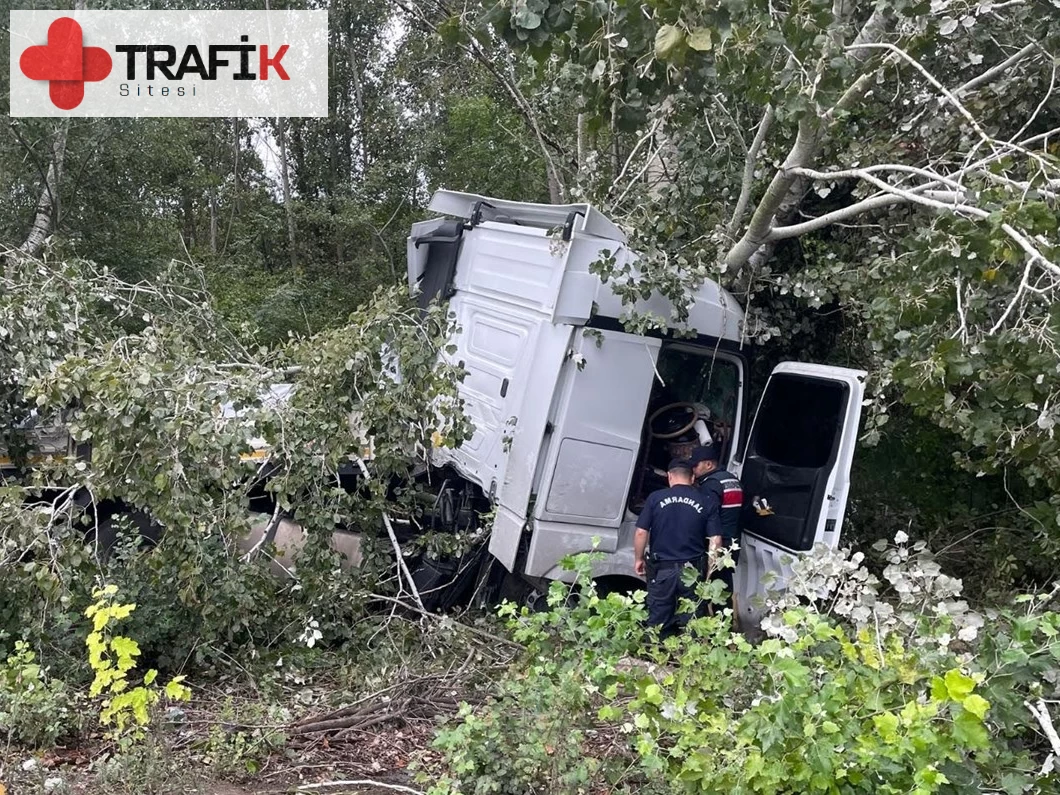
[852, 692]
[112, 657]
[35, 709]
[791, 153]
[169, 401]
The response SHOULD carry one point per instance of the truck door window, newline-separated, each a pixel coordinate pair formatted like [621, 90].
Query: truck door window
[799, 421]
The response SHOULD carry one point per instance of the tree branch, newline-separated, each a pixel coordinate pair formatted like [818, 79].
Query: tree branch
[787, 188]
[636, 148]
[807, 142]
[994, 71]
[902, 54]
[1041, 714]
[955, 206]
[402, 566]
[749, 170]
[361, 782]
[821, 221]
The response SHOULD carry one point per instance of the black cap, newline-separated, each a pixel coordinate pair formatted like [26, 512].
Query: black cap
[708, 453]
[680, 463]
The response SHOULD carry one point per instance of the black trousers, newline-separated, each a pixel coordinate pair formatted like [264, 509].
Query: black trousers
[666, 590]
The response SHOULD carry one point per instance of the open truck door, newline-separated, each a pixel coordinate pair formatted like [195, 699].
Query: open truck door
[795, 473]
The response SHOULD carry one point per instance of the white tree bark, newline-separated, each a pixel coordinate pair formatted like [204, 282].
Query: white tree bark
[285, 179]
[48, 204]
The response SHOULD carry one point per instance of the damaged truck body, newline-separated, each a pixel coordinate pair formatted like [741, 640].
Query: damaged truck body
[575, 418]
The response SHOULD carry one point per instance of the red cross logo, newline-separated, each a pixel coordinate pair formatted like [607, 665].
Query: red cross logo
[65, 63]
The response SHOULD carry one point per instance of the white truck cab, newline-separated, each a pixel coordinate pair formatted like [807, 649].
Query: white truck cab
[575, 419]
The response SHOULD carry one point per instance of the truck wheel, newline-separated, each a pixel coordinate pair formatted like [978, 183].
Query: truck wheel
[139, 521]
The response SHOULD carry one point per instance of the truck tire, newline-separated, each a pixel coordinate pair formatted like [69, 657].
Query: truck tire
[106, 534]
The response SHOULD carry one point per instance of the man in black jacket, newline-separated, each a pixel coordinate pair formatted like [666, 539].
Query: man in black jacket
[726, 488]
[680, 523]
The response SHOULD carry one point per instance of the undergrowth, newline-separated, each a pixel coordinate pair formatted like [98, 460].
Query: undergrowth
[863, 685]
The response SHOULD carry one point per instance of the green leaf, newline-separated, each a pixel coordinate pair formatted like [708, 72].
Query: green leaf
[938, 689]
[527, 19]
[666, 39]
[653, 694]
[1016, 783]
[969, 731]
[175, 691]
[699, 39]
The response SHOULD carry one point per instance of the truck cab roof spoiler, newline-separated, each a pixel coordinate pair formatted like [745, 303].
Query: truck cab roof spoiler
[581, 217]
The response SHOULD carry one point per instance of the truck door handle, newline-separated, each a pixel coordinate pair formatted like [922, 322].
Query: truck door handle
[504, 388]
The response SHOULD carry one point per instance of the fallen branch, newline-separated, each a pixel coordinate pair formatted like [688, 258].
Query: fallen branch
[362, 720]
[449, 621]
[268, 536]
[352, 709]
[360, 782]
[402, 566]
[1041, 713]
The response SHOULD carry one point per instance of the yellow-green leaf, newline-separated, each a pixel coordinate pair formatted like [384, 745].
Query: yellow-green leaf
[653, 694]
[977, 705]
[127, 649]
[175, 691]
[958, 685]
[150, 676]
[699, 39]
[886, 725]
[122, 611]
[666, 39]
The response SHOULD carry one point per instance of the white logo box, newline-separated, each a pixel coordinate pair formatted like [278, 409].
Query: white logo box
[187, 91]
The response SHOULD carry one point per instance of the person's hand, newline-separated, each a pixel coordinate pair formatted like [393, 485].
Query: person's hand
[638, 568]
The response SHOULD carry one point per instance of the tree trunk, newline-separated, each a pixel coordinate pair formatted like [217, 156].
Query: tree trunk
[555, 190]
[236, 141]
[47, 212]
[188, 211]
[213, 221]
[285, 177]
[583, 140]
[358, 98]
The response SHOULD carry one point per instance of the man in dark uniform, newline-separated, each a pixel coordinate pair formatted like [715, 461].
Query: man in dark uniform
[726, 489]
[680, 523]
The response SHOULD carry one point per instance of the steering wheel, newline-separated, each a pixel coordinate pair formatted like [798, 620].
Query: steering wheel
[672, 420]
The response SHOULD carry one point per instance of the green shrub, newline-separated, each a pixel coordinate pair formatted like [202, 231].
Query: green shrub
[244, 737]
[35, 709]
[540, 732]
[863, 685]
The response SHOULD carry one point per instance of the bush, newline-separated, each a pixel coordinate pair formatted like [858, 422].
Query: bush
[863, 685]
[35, 709]
[540, 732]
